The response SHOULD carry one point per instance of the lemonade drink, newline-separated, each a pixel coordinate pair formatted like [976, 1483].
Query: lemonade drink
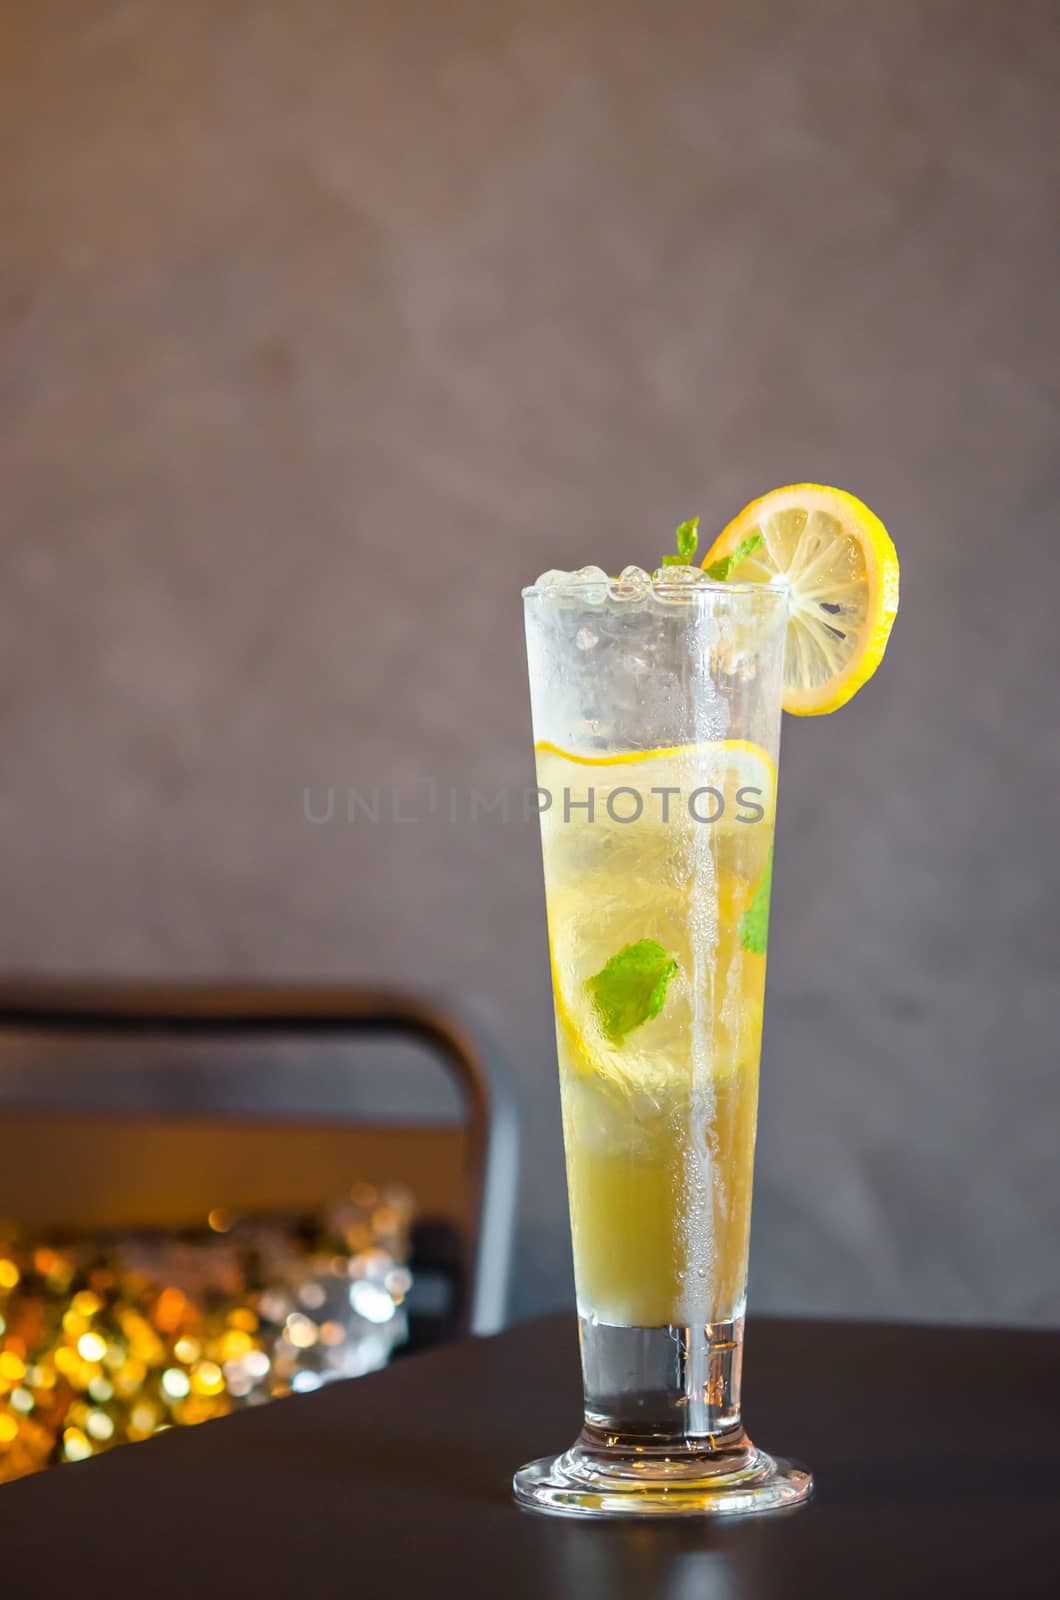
[656, 720]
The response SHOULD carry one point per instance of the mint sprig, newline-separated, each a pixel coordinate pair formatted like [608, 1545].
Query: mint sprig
[687, 539]
[722, 569]
[630, 989]
[754, 924]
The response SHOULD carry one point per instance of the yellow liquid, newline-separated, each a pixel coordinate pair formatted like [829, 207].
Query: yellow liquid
[660, 1221]
[659, 1127]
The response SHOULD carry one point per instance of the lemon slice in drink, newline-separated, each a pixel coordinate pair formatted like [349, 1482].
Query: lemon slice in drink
[839, 566]
[671, 831]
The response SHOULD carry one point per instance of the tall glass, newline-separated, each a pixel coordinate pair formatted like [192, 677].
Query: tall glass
[656, 712]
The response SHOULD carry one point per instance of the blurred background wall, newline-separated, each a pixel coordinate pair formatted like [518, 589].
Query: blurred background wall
[327, 326]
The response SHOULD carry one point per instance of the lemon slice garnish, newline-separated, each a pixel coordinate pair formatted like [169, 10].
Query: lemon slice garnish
[839, 566]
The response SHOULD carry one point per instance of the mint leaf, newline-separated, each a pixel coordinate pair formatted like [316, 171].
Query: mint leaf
[687, 539]
[754, 924]
[631, 988]
[722, 569]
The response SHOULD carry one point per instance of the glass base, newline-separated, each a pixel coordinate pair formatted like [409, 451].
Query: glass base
[601, 1477]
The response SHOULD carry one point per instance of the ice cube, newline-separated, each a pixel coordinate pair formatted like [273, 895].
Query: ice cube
[674, 583]
[591, 584]
[554, 578]
[631, 584]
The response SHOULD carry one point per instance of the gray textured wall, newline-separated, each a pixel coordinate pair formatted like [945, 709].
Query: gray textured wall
[326, 326]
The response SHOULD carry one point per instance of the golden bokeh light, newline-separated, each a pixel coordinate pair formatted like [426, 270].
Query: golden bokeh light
[98, 1348]
[91, 1347]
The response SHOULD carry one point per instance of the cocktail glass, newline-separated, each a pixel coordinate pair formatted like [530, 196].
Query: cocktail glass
[656, 712]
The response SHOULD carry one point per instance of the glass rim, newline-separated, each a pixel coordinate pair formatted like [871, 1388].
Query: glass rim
[655, 590]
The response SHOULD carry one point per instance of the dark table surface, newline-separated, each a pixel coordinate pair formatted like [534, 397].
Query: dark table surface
[936, 1453]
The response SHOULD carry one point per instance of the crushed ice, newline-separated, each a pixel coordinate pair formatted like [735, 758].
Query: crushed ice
[591, 585]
